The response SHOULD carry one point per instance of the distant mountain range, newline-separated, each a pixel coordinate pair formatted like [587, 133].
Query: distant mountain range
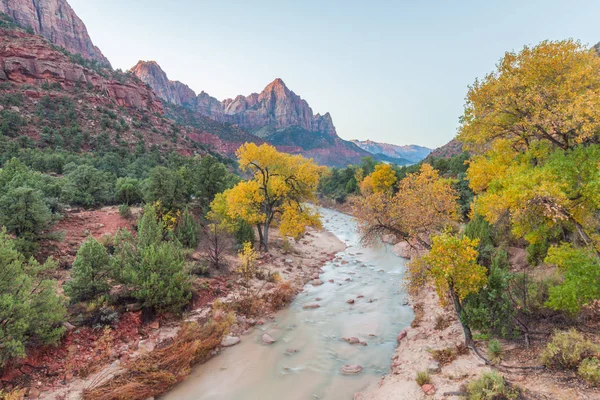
[276, 115]
[410, 153]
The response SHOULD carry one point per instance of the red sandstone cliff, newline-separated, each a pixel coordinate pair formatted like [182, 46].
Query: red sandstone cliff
[55, 20]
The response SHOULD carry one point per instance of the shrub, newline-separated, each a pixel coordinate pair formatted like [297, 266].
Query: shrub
[125, 211]
[187, 230]
[536, 252]
[495, 350]
[86, 186]
[423, 378]
[491, 386]
[567, 349]
[443, 356]
[10, 124]
[91, 272]
[243, 233]
[159, 279]
[32, 311]
[491, 310]
[24, 213]
[589, 370]
[441, 323]
[128, 191]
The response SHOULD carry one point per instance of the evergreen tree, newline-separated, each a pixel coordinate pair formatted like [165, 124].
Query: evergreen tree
[91, 272]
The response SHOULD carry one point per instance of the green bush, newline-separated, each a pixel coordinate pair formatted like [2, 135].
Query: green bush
[125, 211]
[567, 349]
[422, 378]
[187, 230]
[159, 280]
[491, 311]
[25, 214]
[10, 123]
[536, 252]
[495, 350]
[128, 191]
[491, 386]
[31, 310]
[589, 370]
[86, 186]
[244, 233]
[166, 186]
[91, 272]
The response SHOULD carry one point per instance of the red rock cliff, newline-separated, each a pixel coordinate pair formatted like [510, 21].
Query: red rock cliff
[55, 20]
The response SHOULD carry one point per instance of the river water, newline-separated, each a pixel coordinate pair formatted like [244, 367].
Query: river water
[255, 371]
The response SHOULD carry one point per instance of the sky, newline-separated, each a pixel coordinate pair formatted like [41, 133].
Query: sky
[392, 71]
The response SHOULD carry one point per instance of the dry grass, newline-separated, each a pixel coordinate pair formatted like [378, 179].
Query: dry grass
[154, 373]
[281, 296]
[443, 356]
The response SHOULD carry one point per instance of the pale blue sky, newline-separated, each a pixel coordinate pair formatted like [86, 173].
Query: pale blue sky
[391, 71]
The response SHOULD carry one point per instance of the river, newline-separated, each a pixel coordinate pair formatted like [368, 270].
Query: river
[252, 370]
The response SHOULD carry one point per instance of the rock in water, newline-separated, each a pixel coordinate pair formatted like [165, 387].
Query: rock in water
[267, 339]
[351, 369]
[317, 282]
[230, 341]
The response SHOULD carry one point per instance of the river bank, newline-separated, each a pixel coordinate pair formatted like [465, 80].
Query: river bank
[295, 264]
[334, 340]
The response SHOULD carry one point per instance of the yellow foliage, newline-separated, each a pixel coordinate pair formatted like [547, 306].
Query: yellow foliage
[424, 203]
[383, 178]
[547, 93]
[366, 186]
[248, 257]
[453, 266]
[280, 186]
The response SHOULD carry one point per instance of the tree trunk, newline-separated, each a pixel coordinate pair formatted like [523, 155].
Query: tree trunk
[266, 237]
[458, 309]
[261, 241]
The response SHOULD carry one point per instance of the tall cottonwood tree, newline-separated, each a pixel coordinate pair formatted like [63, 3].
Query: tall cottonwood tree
[280, 186]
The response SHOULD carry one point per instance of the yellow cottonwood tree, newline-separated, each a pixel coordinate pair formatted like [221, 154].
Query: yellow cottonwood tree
[425, 203]
[383, 177]
[533, 128]
[452, 266]
[280, 186]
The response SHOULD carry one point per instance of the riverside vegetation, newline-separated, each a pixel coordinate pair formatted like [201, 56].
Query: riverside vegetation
[507, 232]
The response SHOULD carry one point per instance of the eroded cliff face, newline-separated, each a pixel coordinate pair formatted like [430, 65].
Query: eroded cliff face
[173, 92]
[276, 114]
[26, 58]
[55, 20]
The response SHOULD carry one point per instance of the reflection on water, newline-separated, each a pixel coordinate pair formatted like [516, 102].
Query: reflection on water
[252, 370]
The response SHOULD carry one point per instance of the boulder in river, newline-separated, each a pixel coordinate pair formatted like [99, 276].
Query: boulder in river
[267, 339]
[351, 340]
[351, 369]
[317, 282]
[228, 341]
[401, 335]
[351, 301]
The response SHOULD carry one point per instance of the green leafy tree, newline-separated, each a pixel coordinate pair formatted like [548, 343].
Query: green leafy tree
[91, 272]
[88, 187]
[187, 230]
[24, 213]
[581, 269]
[208, 177]
[150, 229]
[166, 186]
[31, 312]
[128, 191]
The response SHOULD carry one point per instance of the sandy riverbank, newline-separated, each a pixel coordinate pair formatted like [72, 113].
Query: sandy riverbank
[296, 264]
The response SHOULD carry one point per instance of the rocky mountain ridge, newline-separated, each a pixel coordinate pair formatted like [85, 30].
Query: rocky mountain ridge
[276, 114]
[56, 21]
[411, 153]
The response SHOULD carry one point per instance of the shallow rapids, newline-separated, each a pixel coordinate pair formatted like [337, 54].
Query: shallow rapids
[252, 370]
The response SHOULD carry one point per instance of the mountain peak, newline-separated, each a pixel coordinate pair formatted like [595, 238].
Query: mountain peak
[151, 73]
